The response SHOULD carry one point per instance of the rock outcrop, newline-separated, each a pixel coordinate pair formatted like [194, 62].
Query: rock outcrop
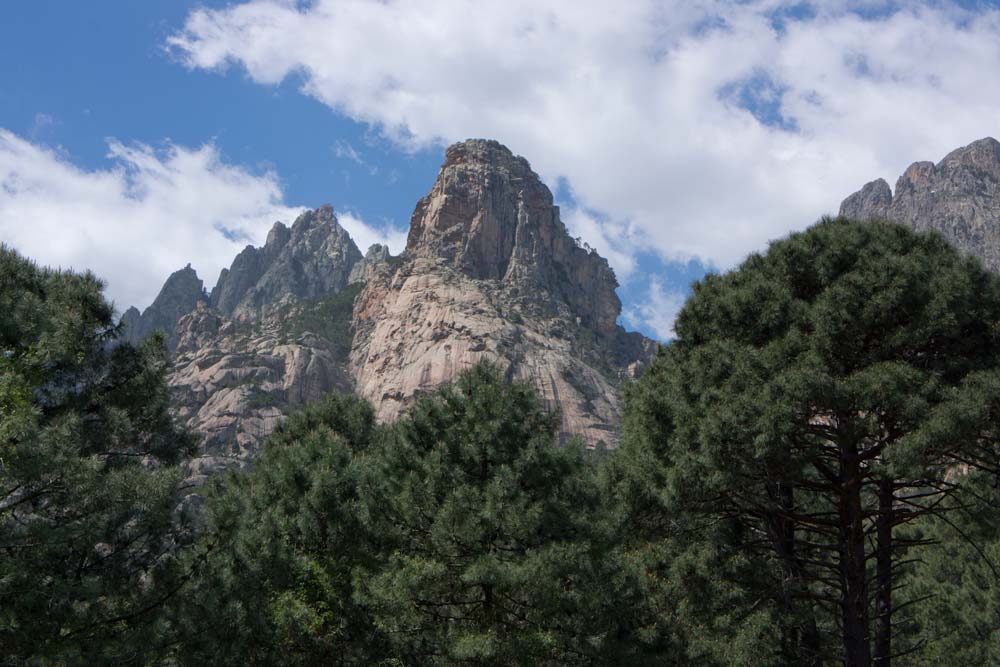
[376, 254]
[232, 381]
[311, 259]
[959, 197]
[275, 334]
[490, 271]
[179, 295]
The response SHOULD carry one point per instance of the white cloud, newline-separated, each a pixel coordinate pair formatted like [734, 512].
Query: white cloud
[149, 214]
[365, 235]
[345, 151]
[657, 311]
[642, 109]
[611, 240]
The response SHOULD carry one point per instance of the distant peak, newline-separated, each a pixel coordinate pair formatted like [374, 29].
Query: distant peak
[492, 218]
[959, 197]
[278, 235]
[324, 215]
[985, 142]
[186, 274]
[311, 258]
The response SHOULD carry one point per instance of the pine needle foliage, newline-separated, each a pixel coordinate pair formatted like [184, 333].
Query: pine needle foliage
[816, 401]
[87, 487]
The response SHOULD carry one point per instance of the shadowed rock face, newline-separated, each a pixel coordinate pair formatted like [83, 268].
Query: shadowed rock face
[313, 258]
[489, 216]
[179, 295]
[490, 271]
[959, 197]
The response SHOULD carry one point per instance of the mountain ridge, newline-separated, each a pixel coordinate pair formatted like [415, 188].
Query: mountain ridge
[959, 197]
[489, 270]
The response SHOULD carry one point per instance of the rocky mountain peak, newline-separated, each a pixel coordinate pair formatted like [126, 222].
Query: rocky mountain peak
[310, 259]
[277, 237]
[179, 295]
[958, 197]
[491, 217]
[982, 155]
[491, 272]
[872, 201]
[376, 255]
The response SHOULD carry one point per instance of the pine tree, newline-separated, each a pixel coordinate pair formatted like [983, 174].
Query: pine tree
[956, 581]
[493, 556]
[279, 548]
[87, 487]
[815, 401]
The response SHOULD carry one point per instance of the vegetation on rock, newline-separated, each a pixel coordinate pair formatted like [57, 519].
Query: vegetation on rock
[807, 476]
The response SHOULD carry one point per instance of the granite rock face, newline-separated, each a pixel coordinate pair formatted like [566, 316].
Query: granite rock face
[490, 217]
[490, 271]
[179, 295]
[232, 381]
[959, 197]
[275, 334]
[307, 261]
[376, 254]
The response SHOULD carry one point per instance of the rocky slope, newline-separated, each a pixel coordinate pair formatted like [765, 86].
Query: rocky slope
[275, 333]
[959, 197]
[233, 380]
[179, 295]
[490, 271]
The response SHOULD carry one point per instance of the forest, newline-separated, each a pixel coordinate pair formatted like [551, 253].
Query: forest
[808, 474]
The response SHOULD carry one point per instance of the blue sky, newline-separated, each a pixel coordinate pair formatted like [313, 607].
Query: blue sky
[677, 136]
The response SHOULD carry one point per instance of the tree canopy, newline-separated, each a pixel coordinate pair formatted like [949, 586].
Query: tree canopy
[815, 400]
[807, 476]
[87, 490]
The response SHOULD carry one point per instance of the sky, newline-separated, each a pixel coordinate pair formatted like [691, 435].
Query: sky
[678, 136]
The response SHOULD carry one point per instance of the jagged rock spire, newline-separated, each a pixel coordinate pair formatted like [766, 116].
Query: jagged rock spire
[490, 272]
[179, 295]
[309, 260]
[959, 197]
[489, 215]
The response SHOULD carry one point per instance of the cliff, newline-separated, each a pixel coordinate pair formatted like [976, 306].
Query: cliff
[490, 271]
[959, 197]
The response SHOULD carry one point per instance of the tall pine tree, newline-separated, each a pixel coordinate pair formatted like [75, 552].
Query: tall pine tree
[279, 549]
[815, 400]
[492, 559]
[87, 490]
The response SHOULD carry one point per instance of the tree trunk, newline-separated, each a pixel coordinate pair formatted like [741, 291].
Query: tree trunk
[883, 575]
[853, 571]
[805, 639]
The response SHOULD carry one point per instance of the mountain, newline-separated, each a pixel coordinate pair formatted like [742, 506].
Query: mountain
[313, 258]
[489, 270]
[178, 296]
[959, 197]
[233, 380]
[275, 333]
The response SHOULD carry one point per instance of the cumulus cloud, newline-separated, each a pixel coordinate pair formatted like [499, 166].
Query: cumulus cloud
[147, 215]
[657, 311]
[365, 234]
[697, 129]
